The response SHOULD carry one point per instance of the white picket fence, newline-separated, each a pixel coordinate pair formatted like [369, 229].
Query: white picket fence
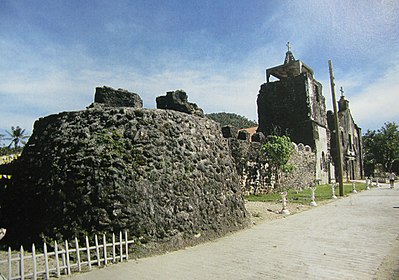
[63, 259]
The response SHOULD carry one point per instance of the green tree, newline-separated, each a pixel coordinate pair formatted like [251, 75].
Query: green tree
[382, 146]
[231, 119]
[17, 137]
[278, 150]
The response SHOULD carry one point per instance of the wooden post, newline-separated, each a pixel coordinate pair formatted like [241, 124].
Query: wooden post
[57, 261]
[126, 246]
[105, 249]
[337, 132]
[21, 263]
[88, 252]
[113, 248]
[120, 246]
[67, 258]
[9, 263]
[34, 261]
[78, 254]
[97, 250]
[46, 268]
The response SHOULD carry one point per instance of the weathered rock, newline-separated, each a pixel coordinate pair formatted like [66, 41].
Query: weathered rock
[178, 101]
[229, 131]
[254, 170]
[163, 175]
[243, 135]
[117, 98]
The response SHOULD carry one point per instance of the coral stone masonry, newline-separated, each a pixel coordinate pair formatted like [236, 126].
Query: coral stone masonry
[165, 176]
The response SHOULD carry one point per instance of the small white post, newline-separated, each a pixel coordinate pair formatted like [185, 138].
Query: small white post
[88, 253]
[57, 261]
[46, 268]
[113, 248]
[354, 187]
[367, 184]
[126, 246]
[313, 202]
[21, 263]
[105, 249]
[34, 261]
[333, 191]
[120, 246]
[9, 263]
[78, 254]
[284, 211]
[64, 261]
[67, 258]
[97, 250]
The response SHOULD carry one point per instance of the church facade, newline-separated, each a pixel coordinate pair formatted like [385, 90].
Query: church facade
[291, 103]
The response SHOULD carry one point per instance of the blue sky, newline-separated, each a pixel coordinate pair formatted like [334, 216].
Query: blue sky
[54, 53]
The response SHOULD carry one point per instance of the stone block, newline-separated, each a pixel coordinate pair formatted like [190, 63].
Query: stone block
[117, 98]
[178, 101]
[229, 131]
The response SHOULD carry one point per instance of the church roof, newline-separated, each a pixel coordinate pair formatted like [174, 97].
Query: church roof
[290, 68]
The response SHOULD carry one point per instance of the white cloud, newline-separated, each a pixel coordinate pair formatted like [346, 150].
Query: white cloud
[378, 102]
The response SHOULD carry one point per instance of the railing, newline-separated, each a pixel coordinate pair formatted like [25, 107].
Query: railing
[63, 259]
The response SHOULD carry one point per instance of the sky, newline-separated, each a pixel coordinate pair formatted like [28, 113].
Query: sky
[54, 53]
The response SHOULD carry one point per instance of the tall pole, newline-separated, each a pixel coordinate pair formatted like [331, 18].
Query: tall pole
[337, 134]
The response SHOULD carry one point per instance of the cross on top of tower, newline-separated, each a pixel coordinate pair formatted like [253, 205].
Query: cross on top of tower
[289, 57]
[289, 46]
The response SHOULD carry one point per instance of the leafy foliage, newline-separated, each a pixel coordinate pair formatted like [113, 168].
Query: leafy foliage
[16, 136]
[231, 119]
[278, 150]
[382, 146]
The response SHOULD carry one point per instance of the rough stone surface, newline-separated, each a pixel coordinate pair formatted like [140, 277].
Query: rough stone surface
[229, 131]
[178, 101]
[256, 176]
[243, 135]
[117, 98]
[164, 175]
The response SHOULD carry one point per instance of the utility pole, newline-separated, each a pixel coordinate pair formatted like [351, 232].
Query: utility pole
[337, 132]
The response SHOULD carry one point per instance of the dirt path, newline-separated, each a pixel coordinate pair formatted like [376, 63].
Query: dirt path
[351, 238]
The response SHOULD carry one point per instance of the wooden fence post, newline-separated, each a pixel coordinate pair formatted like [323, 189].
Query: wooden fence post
[77, 254]
[34, 261]
[97, 250]
[57, 261]
[21, 263]
[105, 249]
[126, 247]
[120, 246]
[9, 263]
[113, 248]
[88, 252]
[67, 258]
[46, 269]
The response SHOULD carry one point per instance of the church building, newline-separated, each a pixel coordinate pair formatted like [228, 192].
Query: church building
[291, 103]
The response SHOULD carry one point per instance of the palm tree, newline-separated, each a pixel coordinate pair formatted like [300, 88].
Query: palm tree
[16, 136]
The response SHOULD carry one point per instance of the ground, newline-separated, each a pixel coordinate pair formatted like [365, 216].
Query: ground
[268, 211]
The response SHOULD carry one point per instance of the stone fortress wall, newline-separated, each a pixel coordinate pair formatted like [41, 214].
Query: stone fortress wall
[166, 176]
[253, 168]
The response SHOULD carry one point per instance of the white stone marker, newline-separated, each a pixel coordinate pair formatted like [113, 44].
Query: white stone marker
[284, 211]
[333, 191]
[313, 202]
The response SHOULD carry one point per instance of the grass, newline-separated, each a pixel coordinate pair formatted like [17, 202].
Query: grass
[323, 192]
